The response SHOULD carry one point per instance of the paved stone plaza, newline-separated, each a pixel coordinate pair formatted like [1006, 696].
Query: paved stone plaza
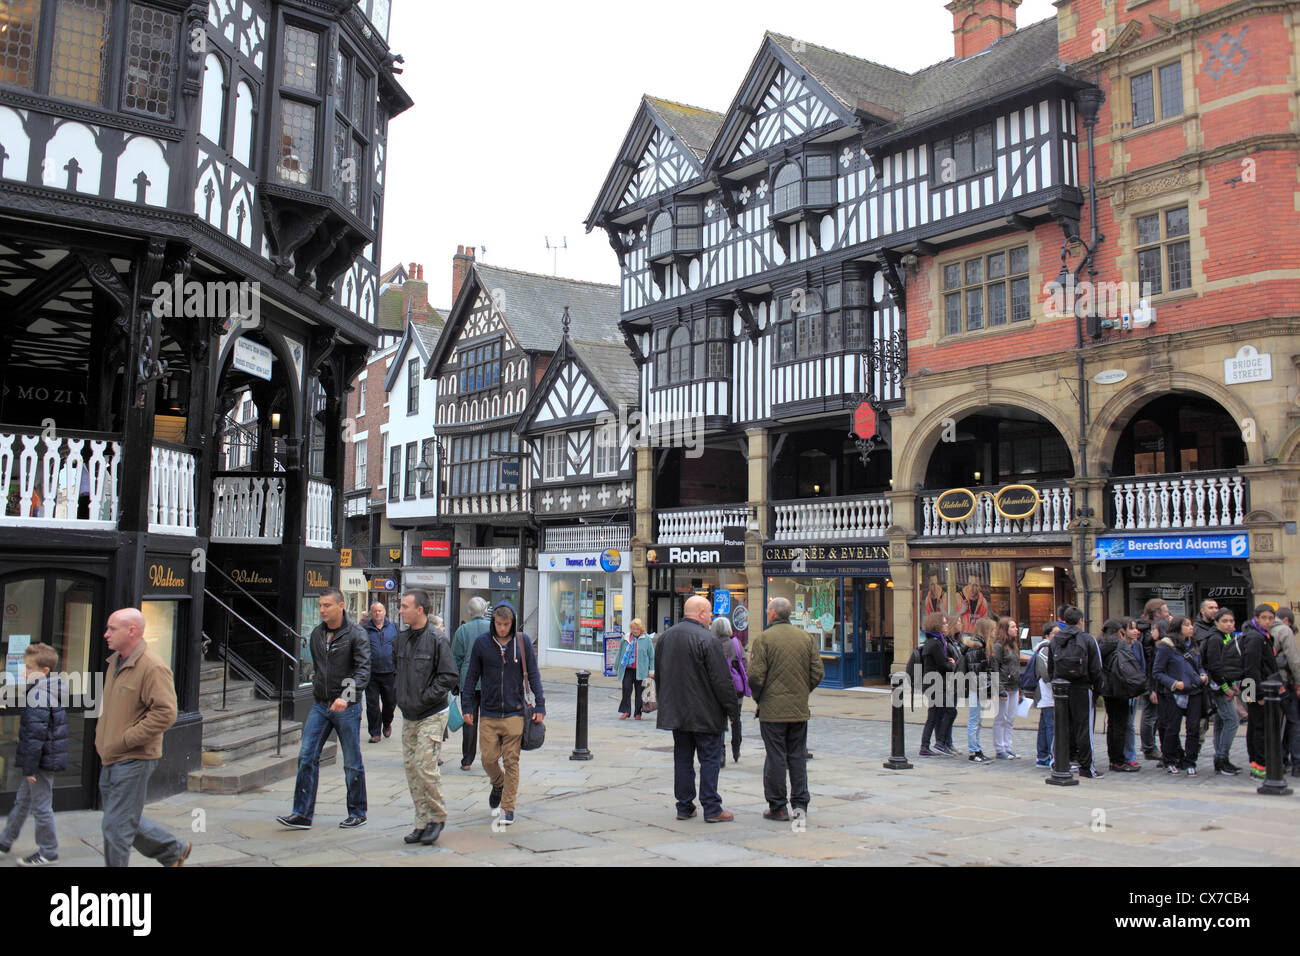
[618, 808]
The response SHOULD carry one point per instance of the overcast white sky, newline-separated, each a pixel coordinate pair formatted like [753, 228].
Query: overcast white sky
[520, 107]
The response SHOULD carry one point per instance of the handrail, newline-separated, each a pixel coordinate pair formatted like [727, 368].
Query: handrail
[76, 433]
[279, 688]
[252, 627]
[269, 613]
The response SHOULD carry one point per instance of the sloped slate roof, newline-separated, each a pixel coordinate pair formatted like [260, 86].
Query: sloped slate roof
[612, 367]
[534, 306]
[1008, 63]
[694, 125]
[429, 332]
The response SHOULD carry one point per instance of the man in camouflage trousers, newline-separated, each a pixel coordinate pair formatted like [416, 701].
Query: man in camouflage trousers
[426, 677]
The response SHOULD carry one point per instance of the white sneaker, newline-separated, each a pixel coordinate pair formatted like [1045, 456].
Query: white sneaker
[37, 859]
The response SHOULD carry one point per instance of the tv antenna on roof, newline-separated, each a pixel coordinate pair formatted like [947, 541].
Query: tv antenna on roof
[555, 252]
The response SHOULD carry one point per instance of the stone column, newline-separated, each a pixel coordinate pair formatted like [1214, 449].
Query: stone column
[1274, 546]
[1083, 550]
[902, 530]
[643, 534]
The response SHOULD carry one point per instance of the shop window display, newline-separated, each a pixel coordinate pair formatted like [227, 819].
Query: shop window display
[816, 607]
[584, 608]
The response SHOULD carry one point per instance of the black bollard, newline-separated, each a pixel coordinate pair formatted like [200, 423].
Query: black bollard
[1274, 785]
[1061, 775]
[898, 759]
[580, 751]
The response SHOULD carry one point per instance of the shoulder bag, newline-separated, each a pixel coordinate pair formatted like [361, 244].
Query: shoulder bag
[534, 733]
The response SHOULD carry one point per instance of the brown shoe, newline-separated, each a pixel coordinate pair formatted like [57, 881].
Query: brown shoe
[185, 855]
[781, 815]
[723, 817]
[388, 730]
[374, 740]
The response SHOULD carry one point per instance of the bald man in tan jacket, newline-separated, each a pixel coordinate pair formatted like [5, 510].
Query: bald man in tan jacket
[139, 706]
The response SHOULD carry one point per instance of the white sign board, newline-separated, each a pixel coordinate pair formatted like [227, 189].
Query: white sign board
[253, 358]
[1247, 366]
[1110, 376]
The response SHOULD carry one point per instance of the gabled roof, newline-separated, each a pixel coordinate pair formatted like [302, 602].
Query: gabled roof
[690, 128]
[532, 307]
[424, 336]
[609, 368]
[854, 82]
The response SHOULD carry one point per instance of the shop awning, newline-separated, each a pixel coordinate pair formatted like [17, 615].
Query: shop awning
[352, 580]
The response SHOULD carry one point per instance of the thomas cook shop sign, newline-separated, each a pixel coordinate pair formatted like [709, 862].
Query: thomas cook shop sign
[1014, 503]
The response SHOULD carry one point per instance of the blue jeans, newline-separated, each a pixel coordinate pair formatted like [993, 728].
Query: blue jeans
[973, 727]
[1046, 732]
[36, 799]
[685, 746]
[122, 789]
[347, 725]
[1226, 722]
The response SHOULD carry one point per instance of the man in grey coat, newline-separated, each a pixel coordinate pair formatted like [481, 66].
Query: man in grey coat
[696, 699]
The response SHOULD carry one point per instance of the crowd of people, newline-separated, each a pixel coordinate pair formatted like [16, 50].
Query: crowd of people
[1191, 678]
[1185, 675]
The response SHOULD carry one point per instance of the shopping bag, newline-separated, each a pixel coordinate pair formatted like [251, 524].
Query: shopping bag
[1022, 708]
[648, 701]
[454, 719]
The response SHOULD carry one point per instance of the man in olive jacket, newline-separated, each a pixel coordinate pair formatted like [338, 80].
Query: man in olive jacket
[426, 677]
[784, 667]
[696, 699]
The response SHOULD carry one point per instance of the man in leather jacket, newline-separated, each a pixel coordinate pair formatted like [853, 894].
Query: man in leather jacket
[340, 650]
[426, 677]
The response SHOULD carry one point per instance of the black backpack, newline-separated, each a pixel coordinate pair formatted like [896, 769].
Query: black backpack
[1125, 677]
[1071, 659]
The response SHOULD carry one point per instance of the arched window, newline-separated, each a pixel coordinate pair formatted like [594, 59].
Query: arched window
[519, 399]
[214, 98]
[496, 405]
[661, 236]
[785, 189]
[510, 402]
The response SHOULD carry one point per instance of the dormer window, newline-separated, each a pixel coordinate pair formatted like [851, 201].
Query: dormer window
[352, 96]
[794, 191]
[785, 189]
[661, 236]
[962, 155]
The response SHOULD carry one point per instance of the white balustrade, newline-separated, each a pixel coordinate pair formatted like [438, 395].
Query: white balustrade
[1053, 516]
[1161, 502]
[248, 509]
[699, 525]
[588, 538]
[171, 491]
[832, 519]
[320, 515]
[46, 478]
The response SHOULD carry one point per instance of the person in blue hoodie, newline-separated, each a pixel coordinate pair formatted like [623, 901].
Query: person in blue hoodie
[42, 752]
[381, 693]
[497, 662]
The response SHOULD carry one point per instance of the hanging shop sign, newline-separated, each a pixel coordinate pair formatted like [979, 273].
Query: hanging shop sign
[253, 358]
[1202, 546]
[1013, 502]
[1110, 376]
[345, 557]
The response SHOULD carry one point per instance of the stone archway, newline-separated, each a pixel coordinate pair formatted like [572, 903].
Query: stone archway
[915, 455]
[1110, 421]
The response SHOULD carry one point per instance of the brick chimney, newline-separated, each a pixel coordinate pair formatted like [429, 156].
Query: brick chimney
[460, 266]
[977, 23]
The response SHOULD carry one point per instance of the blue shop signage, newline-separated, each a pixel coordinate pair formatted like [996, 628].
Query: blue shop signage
[1152, 547]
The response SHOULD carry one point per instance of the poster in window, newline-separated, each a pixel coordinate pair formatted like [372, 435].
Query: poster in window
[935, 600]
[972, 599]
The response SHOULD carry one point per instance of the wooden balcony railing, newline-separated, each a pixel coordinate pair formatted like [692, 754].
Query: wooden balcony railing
[699, 525]
[1053, 515]
[61, 480]
[248, 507]
[848, 518]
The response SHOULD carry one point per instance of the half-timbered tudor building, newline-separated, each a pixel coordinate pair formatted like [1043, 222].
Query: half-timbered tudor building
[583, 477]
[769, 289]
[190, 198]
[501, 333]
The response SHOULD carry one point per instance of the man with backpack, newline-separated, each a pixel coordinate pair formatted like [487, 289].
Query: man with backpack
[1155, 616]
[1075, 657]
[1123, 678]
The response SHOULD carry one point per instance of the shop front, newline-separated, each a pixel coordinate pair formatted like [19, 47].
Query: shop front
[711, 570]
[842, 596]
[386, 589]
[1027, 583]
[438, 586]
[1181, 569]
[583, 599]
[492, 586]
[356, 592]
